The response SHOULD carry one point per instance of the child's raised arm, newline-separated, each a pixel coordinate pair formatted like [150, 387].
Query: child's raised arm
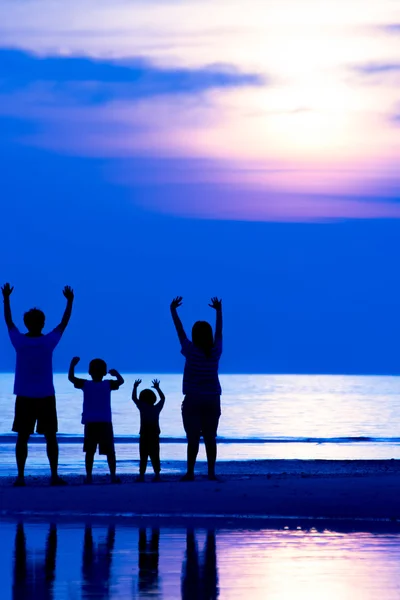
[134, 391]
[69, 295]
[78, 383]
[156, 386]
[217, 306]
[115, 385]
[7, 291]
[176, 302]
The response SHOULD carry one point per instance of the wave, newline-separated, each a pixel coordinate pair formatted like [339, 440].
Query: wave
[9, 438]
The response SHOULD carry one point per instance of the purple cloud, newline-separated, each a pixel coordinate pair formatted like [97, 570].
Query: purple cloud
[377, 68]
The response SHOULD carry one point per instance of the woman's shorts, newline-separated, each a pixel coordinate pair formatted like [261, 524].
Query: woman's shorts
[41, 412]
[99, 434]
[200, 415]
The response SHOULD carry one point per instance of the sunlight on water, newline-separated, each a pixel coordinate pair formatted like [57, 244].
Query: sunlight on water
[310, 416]
[45, 560]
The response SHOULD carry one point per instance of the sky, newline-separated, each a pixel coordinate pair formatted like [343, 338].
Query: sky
[163, 148]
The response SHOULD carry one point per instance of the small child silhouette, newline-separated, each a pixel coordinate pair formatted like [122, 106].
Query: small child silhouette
[149, 441]
[96, 414]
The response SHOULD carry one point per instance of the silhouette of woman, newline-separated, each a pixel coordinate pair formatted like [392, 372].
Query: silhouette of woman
[201, 407]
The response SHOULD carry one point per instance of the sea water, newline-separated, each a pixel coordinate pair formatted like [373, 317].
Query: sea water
[263, 416]
[61, 561]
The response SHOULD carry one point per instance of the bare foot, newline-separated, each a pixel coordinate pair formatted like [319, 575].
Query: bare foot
[140, 479]
[213, 477]
[115, 479]
[156, 478]
[88, 480]
[19, 482]
[188, 477]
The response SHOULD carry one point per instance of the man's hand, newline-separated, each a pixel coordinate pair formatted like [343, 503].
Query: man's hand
[68, 293]
[113, 373]
[7, 290]
[176, 302]
[156, 384]
[75, 361]
[215, 303]
[136, 384]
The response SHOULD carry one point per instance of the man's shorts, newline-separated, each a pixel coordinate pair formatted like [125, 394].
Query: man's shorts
[41, 412]
[101, 434]
[200, 415]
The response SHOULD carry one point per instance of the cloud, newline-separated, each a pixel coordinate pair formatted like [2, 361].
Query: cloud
[393, 28]
[377, 68]
[98, 81]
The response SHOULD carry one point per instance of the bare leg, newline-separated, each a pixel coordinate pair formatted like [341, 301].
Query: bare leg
[52, 455]
[21, 454]
[155, 458]
[112, 465]
[144, 454]
[192, 452]
[89, 459]
[211, 452]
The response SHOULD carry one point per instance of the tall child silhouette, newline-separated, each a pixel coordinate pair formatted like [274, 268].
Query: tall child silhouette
[35, 402]
[201, 407]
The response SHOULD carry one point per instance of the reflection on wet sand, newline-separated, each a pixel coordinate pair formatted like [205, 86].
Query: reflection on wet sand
[34, 574]
[96, 564]
[200, 576]
[148, 580]
[81, 561]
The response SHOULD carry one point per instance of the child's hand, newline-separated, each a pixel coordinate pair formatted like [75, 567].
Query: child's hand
[7, 290]
[176, 302]
[137, 383]
[215, 303]
[113, 372]
[75, 361]
[156, 384]
[68, 293]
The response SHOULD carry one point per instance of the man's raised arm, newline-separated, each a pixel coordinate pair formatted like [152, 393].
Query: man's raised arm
[7, 291]
[69, 295]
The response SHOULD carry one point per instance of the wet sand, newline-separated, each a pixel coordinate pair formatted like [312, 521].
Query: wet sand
[252, 489]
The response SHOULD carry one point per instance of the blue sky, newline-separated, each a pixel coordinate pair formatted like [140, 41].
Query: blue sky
[147, 153]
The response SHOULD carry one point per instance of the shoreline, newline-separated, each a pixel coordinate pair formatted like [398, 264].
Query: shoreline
[251, 491]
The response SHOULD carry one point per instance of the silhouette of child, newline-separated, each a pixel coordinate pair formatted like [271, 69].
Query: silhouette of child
[201, 407]
[149, 441]
[96, 414]
[35, 402]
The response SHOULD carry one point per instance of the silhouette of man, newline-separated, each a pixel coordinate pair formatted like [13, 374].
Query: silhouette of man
[199, 579]
[33, 577]
[96, 564]
[35, 402]
[148, 563]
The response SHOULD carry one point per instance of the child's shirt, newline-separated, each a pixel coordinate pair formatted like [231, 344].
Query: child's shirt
[34, 365]
[149, 417]
[97, 401]
[200, 375]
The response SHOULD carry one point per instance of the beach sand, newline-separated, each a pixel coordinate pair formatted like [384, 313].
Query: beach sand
[247, 490]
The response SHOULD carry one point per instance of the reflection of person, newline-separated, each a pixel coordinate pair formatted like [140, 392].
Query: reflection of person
[148, 562]
[35, 402]
[33, 578]
[149, 441]
[96, 564]
[96, 414]
[201, 407]
[200, 578]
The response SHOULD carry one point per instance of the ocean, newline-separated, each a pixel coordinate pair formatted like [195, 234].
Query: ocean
[263, 417]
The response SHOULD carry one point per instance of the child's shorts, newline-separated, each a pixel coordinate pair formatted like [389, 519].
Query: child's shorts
[35, 411]
[200, 415]
[101, 434]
